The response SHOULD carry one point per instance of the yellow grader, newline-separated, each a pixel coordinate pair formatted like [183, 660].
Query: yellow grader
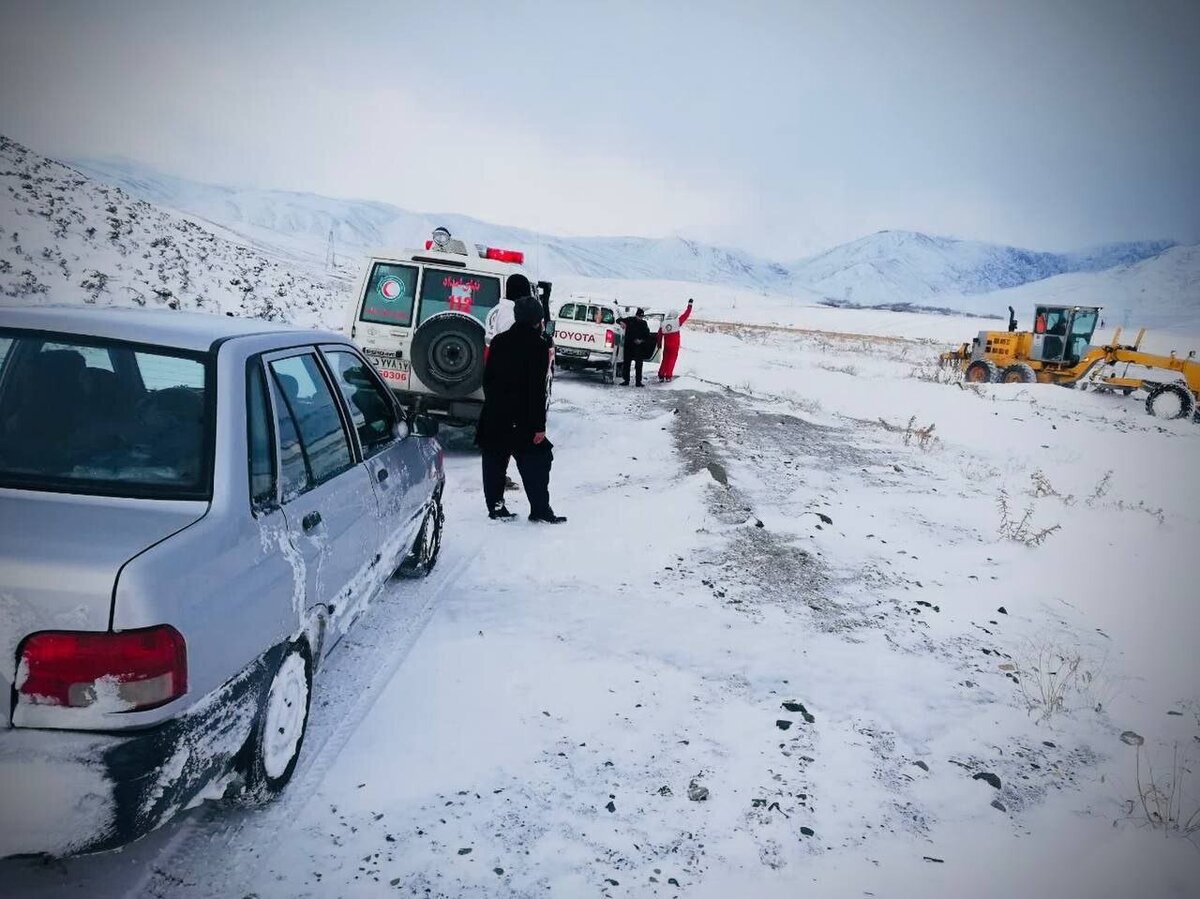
[1059, 351]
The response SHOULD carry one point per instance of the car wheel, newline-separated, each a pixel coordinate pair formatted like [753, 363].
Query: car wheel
[274, 746]
[423, 556]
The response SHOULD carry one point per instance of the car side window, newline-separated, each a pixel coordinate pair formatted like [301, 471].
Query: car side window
[293, 469]
[310, 426]
[567, 311]
[371, 407]
[581, 313]
[259, 447]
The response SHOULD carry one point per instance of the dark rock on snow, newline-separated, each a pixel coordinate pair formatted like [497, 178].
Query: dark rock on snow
[988, 777]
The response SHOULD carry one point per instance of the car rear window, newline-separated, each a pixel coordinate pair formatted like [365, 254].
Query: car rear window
[447, 290]
[88, 415]
[388, 299]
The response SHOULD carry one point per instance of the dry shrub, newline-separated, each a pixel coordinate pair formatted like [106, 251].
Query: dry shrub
[1042, 487]
[1021, 529]
[1162, 802]
[1053, 678]
[923, 436]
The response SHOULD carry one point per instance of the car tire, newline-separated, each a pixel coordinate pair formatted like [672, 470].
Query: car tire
[271, 755]
[423, 556]
[447, 355]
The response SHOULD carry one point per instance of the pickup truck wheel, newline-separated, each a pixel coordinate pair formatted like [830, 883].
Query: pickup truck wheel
[274, 746]
[423, 556]
[447, 355]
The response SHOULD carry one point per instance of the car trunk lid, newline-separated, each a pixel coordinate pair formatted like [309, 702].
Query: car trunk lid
[60, 556]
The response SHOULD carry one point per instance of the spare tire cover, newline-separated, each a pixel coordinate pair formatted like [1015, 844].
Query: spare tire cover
[447, 355]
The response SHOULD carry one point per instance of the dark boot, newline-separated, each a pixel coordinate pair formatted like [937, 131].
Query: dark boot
[548, 517]
[500, 513]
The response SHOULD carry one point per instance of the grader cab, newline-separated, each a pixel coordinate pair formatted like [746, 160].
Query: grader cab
[1059, 351]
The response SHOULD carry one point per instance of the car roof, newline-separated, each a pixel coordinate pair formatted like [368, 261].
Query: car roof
[196, 331]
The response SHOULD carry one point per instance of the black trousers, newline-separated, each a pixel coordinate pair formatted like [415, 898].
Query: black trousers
[625, 369]
[533, 464]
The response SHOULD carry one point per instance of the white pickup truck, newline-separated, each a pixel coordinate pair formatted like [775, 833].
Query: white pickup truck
[587, 335]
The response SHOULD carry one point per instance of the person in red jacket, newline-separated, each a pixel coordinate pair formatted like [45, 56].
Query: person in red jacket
[668, 339]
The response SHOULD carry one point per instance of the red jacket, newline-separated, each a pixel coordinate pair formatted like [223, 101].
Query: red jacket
[671, 341]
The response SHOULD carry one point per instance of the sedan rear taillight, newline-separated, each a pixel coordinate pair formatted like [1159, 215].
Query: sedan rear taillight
[122, 672]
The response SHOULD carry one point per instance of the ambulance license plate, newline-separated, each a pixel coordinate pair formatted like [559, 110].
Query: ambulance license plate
[394, 371]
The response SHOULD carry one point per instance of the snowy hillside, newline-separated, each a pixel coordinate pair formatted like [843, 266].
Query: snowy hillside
[302, 223]
[909, 267]
[67, 238]
[1149, 283]
[890, 268]
[1162, 293]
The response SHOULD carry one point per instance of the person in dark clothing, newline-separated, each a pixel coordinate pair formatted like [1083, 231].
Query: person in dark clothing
[639, 345]
[512, 423]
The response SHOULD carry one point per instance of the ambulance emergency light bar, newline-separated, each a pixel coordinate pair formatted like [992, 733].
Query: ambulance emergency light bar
[442, 241]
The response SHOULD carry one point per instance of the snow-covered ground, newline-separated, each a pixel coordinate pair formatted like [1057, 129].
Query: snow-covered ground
[773, 591]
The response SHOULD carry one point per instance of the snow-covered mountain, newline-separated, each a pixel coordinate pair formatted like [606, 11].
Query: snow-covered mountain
[887, 268]
[302, 223]
[65, 238]
[906, 267]
[288, 234]
[1161, 292]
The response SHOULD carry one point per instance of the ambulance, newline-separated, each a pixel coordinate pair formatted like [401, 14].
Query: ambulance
[420, 317]
[587, 335]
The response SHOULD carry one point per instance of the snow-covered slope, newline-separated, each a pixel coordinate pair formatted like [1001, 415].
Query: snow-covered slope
[302, 223]
[1153, 283]
[893, 267]
[1162, 292]
[65, 238]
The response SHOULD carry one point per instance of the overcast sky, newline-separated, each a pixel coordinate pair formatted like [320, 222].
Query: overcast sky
[777, 127]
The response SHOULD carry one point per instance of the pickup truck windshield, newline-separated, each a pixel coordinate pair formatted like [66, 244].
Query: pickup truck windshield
[89, 415]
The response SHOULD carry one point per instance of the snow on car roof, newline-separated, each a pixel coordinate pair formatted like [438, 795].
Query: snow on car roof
[162, 327]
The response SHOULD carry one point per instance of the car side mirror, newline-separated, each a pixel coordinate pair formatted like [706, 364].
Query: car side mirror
[401, 429]
[424, 426]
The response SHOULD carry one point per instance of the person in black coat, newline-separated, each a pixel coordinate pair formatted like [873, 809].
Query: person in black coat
[512, 423]
[639, 345]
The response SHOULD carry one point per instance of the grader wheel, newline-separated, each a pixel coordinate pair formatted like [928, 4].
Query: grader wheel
[981, 371]
[1019, 373]
[1171, 401]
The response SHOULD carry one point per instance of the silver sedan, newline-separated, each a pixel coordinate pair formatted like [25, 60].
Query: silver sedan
[193, 510]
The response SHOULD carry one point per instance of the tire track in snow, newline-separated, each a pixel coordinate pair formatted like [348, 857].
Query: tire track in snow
[186, 860]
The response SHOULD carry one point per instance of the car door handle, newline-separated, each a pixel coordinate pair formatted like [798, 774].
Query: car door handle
[311, 520]
[381, 475]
